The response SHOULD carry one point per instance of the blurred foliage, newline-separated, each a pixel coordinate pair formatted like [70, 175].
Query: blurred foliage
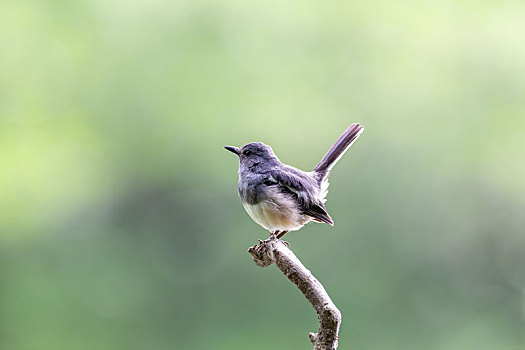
[120, 226]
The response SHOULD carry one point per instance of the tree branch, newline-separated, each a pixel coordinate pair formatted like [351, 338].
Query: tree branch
[276, 251]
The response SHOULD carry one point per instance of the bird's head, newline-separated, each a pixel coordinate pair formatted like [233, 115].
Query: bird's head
[255, 154]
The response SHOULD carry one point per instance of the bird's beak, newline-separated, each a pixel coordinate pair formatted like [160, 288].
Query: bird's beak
[235, 150]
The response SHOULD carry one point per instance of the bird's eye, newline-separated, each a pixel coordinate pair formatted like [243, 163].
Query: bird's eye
[246, 152]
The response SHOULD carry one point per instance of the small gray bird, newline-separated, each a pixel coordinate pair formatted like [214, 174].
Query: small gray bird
[282, 198]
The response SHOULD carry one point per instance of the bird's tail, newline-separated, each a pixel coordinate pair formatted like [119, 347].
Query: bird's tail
[339, 148]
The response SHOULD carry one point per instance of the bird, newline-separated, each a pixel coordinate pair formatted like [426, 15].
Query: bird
[282, 198]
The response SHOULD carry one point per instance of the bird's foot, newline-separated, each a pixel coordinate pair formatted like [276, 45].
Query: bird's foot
[279, 235]
[262, 253]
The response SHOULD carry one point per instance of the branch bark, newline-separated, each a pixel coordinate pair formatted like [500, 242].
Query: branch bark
[276, 251]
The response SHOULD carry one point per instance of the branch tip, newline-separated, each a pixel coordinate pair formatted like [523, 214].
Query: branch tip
[313, 337]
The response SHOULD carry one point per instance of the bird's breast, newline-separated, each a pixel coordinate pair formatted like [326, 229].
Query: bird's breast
[249, 191]
[276, 211]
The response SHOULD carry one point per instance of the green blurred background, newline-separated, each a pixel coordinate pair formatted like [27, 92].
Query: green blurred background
[120, 225]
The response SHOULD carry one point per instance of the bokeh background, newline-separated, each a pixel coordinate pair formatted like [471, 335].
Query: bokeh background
[120, 225]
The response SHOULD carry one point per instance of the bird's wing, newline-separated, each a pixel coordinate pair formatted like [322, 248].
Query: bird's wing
[319, 213]
[304, 188]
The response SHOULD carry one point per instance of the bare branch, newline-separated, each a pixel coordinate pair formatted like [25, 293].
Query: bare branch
[276, 251]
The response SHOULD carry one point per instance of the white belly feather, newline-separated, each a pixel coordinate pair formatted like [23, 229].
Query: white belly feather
[274, 217]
